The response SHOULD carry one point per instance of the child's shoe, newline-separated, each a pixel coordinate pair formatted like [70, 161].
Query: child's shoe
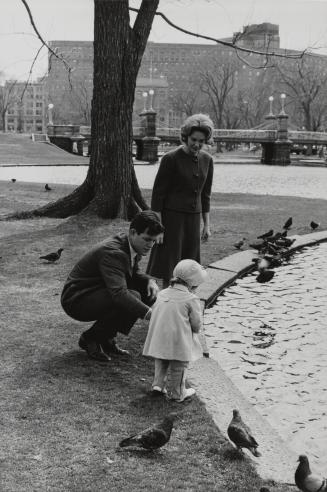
[188, 393]
[157, 391]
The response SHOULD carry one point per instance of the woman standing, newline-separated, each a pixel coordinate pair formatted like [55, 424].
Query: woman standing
[181, 193]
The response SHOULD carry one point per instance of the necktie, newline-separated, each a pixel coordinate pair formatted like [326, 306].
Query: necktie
[136, 262]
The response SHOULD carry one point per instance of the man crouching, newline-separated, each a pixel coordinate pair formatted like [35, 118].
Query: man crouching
[106, 286]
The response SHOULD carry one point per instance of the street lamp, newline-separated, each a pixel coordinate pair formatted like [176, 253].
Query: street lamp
[50, 108]
[270, 99]
[282, 98]
[145, 95]
[151, 92]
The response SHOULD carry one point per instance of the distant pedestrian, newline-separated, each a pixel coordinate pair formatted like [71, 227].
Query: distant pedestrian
[181, 193]
[172, 337]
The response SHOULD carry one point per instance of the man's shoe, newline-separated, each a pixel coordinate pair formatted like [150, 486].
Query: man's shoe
[93, 349]
[111, 347]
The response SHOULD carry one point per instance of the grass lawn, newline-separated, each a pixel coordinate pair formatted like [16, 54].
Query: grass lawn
[62, 415]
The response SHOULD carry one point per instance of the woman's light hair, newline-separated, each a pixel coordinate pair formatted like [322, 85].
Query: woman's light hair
[197, 122]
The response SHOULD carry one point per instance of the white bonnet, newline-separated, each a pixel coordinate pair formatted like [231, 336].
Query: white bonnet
[191, 272]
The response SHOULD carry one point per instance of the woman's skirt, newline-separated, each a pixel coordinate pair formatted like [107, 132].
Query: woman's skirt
[181, 241]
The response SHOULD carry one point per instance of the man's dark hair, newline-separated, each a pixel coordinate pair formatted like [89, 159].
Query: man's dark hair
[147, 220]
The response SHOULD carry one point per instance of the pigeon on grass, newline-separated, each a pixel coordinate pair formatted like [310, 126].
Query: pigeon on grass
[266, 234]
[314, 225]
[47, 187]
[288, 223]
[306, 480]
[240, 434]
[239, 244]
[258, 246]
[153, 437]
[52, 257]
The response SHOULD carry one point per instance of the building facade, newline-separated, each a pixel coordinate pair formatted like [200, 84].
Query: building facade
[172, 74]
[26, 107]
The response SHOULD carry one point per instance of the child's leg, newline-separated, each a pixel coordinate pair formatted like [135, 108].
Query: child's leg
[177, 380]
[160, 373]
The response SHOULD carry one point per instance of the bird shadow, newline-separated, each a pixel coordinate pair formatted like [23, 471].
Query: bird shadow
[147, 454]
[233, 454]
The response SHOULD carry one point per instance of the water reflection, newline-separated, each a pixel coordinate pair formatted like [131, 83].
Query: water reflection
[271, 339]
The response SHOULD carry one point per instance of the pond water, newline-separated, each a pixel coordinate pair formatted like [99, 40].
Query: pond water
[309, 182]
[271, 340]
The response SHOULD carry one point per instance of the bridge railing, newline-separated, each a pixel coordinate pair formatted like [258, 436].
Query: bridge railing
[308, 137]
[226, 135]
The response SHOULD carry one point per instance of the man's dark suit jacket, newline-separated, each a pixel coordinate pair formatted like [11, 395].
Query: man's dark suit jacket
[108, 265]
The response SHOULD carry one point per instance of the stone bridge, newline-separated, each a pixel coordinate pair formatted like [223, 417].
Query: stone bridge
[276, 139]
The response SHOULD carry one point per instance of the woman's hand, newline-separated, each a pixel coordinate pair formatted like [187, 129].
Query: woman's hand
[160, 238]
[205, 233]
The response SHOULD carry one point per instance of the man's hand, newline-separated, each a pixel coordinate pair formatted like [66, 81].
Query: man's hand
[152, 289]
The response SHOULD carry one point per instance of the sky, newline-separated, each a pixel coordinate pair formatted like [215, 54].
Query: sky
[302, 24]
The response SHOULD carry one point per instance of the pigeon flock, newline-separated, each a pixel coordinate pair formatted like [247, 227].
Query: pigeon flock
[158, 435]
[272, 248]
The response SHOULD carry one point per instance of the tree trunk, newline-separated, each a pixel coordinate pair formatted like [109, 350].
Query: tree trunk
[110, 189]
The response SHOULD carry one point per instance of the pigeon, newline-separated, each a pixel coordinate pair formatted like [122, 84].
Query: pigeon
[314, 225]
[273, 260]
[306, 480]
[258, 246]
[288, 223]
[274, 238]
[265, 276]
[154, 437]
[13, 180]
[240, 434]
[263, 264]
[271, 249]
[240, 243]
[266, 234]
[285, 242]
[52, 257]
[47, 187]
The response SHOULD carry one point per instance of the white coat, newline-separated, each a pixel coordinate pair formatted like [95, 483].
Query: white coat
[175, 320]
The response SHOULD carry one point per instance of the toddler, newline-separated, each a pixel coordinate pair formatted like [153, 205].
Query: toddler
[172, 337]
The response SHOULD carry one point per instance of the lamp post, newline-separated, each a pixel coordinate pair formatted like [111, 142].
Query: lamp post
[144, 95]
[271, 99]
[151, 92]
[282, 99]
[50, 116]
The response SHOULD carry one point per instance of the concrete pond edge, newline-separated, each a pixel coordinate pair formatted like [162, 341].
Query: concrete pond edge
[216, 390]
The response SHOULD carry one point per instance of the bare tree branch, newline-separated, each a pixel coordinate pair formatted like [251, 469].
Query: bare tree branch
[30, 72]
[226, 43]
[44, 43]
